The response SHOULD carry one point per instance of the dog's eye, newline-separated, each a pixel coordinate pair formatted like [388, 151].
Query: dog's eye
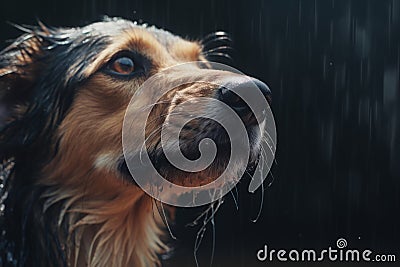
[122, 66]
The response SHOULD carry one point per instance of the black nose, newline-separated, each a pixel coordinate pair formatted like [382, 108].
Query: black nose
[235, 101]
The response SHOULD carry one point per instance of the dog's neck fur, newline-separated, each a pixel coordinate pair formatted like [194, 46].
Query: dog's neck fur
[108, 229]
[76, 226]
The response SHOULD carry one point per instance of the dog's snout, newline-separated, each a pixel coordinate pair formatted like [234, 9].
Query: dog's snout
[233, 100]
[229, 97]
[263, 88]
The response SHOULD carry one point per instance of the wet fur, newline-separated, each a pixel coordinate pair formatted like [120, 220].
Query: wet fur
[68, 199]
[66, 203]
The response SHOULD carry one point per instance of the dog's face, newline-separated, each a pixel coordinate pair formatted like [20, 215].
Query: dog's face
[67, 91]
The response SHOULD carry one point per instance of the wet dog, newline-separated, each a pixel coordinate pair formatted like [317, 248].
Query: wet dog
[67, 196]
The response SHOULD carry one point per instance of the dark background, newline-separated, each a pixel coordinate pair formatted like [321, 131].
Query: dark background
[333, 67]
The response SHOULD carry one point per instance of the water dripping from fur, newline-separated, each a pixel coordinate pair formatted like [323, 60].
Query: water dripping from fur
[205, 218]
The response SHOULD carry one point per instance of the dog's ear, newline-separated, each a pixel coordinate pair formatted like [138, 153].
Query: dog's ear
[20, 65]
[39, 75]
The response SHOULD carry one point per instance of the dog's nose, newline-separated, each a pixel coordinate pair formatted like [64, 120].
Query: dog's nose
[235, 101]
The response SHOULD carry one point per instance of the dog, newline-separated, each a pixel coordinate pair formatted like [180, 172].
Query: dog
[68, 198]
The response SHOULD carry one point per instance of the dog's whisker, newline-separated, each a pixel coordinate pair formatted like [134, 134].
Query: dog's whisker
[213, 237]
[234, 198]
[22, 28]
[270, 139]
[223, 55]
[208, 215]
[218, 49]
[275, 162]
[222, 49]
[217, 41]
[262, 191]
[161, 212]
[166, 221]
[213, 36]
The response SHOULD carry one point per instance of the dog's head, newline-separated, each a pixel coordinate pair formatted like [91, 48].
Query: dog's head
[64, 94]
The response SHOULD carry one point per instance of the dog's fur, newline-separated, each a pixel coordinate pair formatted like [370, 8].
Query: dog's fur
[68, 200]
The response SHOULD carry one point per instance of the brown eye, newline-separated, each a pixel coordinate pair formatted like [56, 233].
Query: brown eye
[122, 66]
